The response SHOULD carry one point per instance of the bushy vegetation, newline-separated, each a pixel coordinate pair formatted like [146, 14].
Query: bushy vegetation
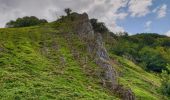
[165, 88]
[150, 51]
[26, 21]
[98, 26]
[68, 11]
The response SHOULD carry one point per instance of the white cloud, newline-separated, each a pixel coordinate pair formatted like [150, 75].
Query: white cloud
[104, 10]
[139, 8]
[167, 33]
[155, 10]
[108, 11]
[161, 12]
[148, 25]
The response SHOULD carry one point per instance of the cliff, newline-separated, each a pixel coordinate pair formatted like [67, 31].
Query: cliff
[99, 53]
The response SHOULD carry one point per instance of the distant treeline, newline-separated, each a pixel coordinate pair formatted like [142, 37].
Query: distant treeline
[150, 51]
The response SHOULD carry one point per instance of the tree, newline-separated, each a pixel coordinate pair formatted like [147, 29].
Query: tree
[68, 11]
[151, 56]
[153, 59]
[26, 21]
[10, 24]
[98, 26]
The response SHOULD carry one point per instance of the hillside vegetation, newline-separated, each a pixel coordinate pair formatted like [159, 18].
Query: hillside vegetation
[51, 62]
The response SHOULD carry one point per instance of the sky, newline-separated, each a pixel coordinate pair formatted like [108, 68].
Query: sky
[132, 16]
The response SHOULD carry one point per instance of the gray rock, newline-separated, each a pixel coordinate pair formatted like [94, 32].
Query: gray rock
[103, 60]
[98, 51]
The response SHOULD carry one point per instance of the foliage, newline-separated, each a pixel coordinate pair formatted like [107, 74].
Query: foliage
[98, 26]
[165, 87]
[68, 11]
[152, 59]
[26, 21]
[148, 50]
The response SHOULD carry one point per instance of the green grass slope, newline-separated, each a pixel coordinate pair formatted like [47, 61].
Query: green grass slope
[145, 85]
[51, 62]
[37, 63]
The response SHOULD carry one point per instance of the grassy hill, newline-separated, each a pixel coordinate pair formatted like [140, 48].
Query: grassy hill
[51, 62]
[37, 63]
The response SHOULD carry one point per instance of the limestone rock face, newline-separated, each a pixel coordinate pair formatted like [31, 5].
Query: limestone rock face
[98, 51]
[84, 27]
[103, 60]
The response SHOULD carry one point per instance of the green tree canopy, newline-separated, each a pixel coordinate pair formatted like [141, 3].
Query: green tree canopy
[68, 11]
[98, 26]
[150, 51]
[26, 21]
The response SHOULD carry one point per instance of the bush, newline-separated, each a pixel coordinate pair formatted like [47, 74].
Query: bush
[25, 21]
[153, 59]
[150, 58]
[165, 88]
[68, 11]
[98, 26]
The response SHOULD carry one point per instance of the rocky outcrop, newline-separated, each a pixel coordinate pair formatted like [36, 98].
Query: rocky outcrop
[98, 51]
[102, 59]
[84, 28]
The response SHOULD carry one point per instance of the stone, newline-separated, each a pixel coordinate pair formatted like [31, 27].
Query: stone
[98, 51]
[125, 94]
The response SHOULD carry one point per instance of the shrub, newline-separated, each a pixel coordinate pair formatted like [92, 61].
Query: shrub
[165, 88]
[98, 26]
[68, 11]
[150, 58]
[26, 21]
[153, 59]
